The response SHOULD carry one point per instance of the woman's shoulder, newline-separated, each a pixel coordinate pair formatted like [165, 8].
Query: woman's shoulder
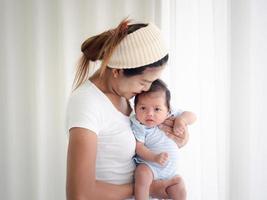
[85, 92]
[85, 97]
[84, 108]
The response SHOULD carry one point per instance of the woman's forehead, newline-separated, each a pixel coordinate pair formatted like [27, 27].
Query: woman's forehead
[151, 74]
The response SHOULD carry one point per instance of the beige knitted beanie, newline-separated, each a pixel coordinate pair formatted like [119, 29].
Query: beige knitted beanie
[142, 47]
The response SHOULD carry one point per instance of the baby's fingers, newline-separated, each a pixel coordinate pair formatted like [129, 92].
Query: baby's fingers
[164, 155]
[163, 158]
[179, 127]
[179, 131]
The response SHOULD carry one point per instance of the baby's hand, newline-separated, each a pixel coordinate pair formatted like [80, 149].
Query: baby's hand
[179, 126]
[161, 158]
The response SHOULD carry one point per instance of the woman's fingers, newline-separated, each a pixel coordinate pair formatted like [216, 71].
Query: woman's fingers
[169, 122]
[158, 189]
[167, 129]
[174, 180]
[176, 139]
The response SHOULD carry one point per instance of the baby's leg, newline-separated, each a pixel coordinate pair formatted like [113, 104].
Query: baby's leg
[143, 180]
[177, 191]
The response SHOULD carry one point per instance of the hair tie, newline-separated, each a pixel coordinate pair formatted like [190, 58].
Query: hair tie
[124, 26]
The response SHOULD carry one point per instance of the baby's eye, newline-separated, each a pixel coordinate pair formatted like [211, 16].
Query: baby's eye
[142, 108]
[157, 109]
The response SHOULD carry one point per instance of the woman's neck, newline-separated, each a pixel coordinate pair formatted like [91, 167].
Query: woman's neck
[104, 83]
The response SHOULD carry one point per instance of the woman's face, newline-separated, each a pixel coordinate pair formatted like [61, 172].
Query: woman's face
[128, 87]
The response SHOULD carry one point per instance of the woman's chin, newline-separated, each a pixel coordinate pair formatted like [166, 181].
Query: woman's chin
[130, 96]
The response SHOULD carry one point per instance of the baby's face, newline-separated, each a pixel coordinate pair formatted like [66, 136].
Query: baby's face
[151, 109]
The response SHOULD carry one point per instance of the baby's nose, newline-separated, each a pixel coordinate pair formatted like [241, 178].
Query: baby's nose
[150, 112]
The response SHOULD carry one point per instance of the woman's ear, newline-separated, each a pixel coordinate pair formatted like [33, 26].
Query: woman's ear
[116, 72]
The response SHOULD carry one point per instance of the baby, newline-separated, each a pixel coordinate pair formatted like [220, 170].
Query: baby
[157, 154]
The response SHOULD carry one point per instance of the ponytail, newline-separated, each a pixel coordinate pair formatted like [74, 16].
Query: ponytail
[99, 47]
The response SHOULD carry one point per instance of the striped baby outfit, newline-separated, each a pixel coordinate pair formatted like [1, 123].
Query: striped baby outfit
[156, 141]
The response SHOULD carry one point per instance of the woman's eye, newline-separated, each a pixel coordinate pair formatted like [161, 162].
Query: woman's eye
[142, 84]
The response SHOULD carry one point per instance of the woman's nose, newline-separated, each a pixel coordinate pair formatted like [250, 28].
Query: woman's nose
[146, 87]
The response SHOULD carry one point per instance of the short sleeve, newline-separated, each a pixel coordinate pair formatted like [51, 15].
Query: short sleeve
[175, 112]
[82, 112]
[138, 130]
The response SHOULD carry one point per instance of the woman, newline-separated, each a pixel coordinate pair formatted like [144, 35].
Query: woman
[101, 143]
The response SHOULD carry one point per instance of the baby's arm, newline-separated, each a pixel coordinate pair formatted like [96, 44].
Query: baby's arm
[146, 154]
[188, 117]
[181, 122]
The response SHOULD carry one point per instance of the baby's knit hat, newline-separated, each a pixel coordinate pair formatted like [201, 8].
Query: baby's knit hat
[142, 47]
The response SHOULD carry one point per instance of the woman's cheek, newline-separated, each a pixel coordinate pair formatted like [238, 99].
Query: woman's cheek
[137, 88]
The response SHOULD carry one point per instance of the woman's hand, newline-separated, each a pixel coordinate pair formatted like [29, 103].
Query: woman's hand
[158, 188]
[176, 129]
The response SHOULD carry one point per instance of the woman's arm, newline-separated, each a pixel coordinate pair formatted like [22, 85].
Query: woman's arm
[158, 188]
[81, 178]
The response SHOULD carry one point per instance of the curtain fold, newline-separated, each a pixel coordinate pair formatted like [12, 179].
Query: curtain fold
[248, 158]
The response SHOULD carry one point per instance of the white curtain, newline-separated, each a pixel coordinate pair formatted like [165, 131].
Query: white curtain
[217, 69]
[199, 77]
[248, 152]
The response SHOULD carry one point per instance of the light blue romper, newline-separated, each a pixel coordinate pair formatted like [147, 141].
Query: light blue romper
[156, 141]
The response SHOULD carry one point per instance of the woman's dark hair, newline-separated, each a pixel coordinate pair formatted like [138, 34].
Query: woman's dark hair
[101, 47]
[139, 70]
[157, 85]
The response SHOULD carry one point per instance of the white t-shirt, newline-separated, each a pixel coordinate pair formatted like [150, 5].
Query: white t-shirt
[89, 108]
